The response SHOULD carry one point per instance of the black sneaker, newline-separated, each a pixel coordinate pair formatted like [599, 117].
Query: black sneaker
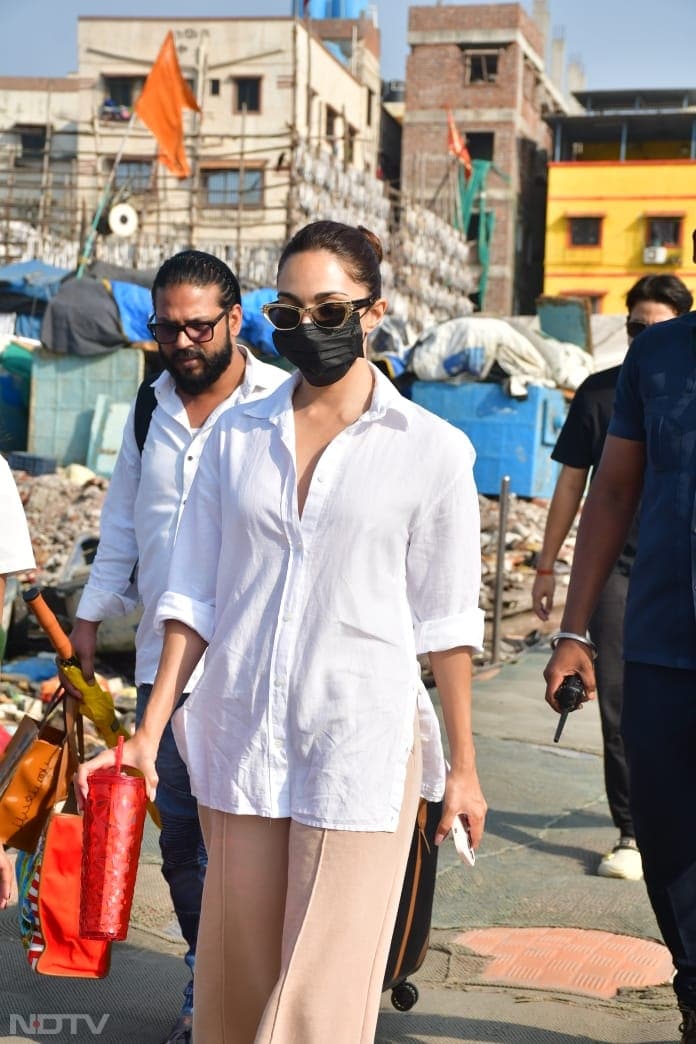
[687, 1027]
[182, 1030]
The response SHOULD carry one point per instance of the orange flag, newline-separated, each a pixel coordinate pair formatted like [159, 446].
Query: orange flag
[456, 146]
[160, 105]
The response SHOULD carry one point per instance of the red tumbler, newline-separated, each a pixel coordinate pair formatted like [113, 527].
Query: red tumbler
[113, 831]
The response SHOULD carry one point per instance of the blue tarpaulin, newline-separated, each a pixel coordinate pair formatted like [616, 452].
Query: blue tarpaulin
[134, 308]
[25, 287]
[255, 329]
[31, 279]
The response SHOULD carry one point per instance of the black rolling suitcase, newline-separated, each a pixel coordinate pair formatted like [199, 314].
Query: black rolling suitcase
[412, 929]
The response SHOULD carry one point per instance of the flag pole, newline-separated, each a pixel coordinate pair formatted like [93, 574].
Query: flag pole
[290, 198]
[92, 234]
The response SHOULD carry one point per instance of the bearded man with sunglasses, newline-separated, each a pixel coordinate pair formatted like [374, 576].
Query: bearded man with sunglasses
[653, 299]
[197, 316]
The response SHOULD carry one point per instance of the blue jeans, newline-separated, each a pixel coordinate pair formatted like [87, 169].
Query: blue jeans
[184, 858]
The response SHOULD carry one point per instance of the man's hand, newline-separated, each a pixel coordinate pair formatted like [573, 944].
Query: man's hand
[83, 639]
[569, 657]
[542, 595]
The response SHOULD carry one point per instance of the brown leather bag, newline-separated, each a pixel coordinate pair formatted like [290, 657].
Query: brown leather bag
[36, 772]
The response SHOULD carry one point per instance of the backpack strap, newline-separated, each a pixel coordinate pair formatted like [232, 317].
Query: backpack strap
[145, 403]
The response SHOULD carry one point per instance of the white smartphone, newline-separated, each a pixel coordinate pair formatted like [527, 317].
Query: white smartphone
[462, 841]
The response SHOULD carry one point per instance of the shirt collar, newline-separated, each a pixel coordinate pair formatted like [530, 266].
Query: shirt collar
[256, 373]
[387, 403]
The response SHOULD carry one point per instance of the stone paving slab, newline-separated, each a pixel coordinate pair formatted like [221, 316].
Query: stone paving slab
[508, 1016]
[595, 963]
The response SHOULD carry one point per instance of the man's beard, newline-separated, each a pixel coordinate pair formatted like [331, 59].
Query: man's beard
[212, 367]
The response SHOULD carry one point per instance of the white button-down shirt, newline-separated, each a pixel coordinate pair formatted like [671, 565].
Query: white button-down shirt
[16, 553]
[144, 502]
[307, 702]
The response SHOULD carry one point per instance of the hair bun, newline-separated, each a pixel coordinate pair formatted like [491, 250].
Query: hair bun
[373, 240]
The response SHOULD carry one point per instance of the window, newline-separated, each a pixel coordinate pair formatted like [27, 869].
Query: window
[585, 231]
[134, 175]
[232, 187]
[663, 231]
[351, 138]
[122, 90]
[247, 93]
[480, 66]
[480, 144]
[370, 106]
[214, 88]
[331, 120]
[33, 142]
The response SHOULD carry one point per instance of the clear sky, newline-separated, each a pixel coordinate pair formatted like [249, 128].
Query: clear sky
[621, 43]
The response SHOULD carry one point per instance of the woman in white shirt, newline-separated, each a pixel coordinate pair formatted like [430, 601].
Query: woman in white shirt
[332, 533]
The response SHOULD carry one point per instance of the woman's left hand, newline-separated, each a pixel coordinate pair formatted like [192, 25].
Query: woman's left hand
[463, 797]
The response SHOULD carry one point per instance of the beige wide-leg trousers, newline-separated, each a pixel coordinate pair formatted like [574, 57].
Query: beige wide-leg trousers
[296, 926]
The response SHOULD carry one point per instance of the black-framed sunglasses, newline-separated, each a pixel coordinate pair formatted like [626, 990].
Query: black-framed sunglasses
[635, 326]
[200, 331]
[327, 315]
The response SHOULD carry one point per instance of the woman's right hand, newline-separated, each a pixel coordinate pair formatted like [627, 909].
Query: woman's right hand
[542, 595]
[139, 752]
[6, 879]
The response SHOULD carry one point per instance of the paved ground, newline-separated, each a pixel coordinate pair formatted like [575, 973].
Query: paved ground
[509, 936]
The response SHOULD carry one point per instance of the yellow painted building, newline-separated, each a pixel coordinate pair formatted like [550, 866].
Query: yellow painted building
[621, 200]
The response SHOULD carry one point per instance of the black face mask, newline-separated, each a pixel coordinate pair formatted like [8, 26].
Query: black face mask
[322, 356]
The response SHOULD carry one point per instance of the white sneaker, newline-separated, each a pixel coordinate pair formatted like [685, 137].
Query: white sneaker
[623, 861]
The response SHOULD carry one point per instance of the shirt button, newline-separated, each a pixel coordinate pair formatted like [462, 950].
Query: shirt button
[189, 458]
[287, 618]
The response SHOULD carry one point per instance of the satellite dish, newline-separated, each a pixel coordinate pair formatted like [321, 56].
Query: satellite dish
[123, 220]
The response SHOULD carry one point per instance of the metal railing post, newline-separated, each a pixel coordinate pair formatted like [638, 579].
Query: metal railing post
[503, 505]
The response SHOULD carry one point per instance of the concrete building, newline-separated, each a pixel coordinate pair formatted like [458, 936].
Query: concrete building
[621, 194]
[38, 153]
[290, 130]
[485, 63]
[263, 85]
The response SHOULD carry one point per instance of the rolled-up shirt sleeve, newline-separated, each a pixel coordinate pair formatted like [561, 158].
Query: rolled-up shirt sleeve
[193, 572]
[443, 569]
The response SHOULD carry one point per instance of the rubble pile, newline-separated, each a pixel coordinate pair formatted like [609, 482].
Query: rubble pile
[60, 508]
[63, 507]
[524, 536]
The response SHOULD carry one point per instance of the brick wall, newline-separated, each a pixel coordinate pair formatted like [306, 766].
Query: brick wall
[435, 81]
[476, 16]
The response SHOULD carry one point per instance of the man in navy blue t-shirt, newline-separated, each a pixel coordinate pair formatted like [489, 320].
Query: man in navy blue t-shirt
[654, 298]
[650, 457]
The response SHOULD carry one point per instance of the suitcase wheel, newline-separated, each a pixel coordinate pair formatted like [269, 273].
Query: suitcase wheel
[404, 996]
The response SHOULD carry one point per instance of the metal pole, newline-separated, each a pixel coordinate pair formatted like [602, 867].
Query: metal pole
[240, 192]
[290, 199]
[503, 505]
[92, 234]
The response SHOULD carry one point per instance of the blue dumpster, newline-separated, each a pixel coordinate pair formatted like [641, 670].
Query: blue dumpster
[511, 436]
